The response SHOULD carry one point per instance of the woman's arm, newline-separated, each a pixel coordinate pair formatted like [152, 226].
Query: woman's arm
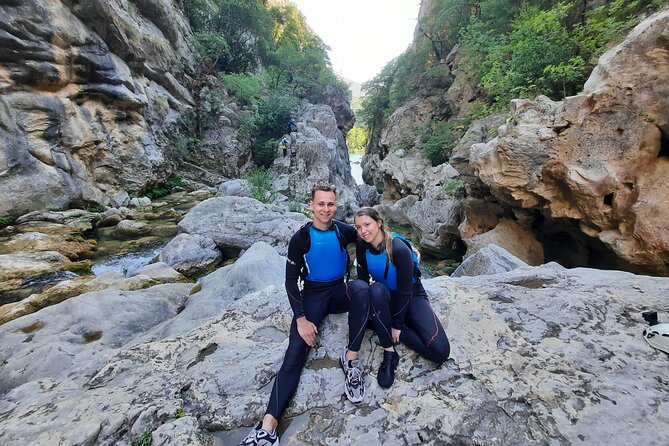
[399, 302]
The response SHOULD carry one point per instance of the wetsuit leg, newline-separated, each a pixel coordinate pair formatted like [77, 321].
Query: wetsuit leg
[315, 304]
[380, 301]
[352, 296]
[423, 331]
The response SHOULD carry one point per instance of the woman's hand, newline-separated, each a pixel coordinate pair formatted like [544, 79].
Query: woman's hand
[307, 331]
[395, 333]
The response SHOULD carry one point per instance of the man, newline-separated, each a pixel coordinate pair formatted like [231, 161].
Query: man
[317, 254]
[284, 146]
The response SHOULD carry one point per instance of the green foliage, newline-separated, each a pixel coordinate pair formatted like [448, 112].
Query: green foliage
[145, 440]
[438, 139]
[247, 89]
[455, 187]
[260, 184]
[164, 189]
[179, 413]
[211, 47]
[356, 139]
[6, 221]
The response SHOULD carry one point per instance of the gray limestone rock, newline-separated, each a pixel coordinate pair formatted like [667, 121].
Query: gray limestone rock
[238, 222]
[191, 254]
[490, 259]
[238, 187]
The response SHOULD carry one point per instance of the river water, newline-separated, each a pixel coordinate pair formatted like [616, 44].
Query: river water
[356, 168]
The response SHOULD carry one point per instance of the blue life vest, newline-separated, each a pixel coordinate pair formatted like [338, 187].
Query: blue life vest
[383, 270]
[326, 260]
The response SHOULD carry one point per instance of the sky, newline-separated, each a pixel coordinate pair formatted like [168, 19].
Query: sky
[363, 35]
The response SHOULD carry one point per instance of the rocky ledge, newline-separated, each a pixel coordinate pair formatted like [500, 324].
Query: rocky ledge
[540, 355]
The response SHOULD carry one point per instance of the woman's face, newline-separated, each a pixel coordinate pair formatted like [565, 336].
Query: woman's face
[368, 229]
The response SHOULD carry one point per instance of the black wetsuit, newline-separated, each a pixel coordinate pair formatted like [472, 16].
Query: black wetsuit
[399, 301]
[320, 256]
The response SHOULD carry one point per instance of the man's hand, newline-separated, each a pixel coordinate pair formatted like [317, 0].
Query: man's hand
[307, 331]
[395, 333]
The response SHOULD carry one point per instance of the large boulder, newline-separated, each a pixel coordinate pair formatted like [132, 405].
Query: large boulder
[318, 152]
[491, 259]
[191, 254]
[236, 223]
[597, 163]
[89, 91]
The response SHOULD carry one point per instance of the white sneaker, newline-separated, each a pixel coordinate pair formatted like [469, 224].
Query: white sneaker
[260, 437]
[354, 382]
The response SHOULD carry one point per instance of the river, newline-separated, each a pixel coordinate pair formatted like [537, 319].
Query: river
[356, 168]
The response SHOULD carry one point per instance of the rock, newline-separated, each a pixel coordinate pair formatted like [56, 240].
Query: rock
[120, 199]
[86, 113]
[544, 348]
[490, 259]
[397, 212]
[160, 272]
[238, 188]
[191, 254]
[238, 222]
[604, 194]
[61, 335]
[437, 219]
[132, 228]
[318, 152]
[341, 108]
[367, 195]
[22, 265]
[508, 234]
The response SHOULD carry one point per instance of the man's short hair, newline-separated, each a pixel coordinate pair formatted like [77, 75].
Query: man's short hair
[324, 186]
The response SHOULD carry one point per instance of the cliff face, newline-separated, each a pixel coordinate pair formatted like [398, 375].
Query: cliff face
[87, 90]
[595, 165]
[586, 175]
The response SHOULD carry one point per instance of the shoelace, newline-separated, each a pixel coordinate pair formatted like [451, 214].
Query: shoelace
[353, 375]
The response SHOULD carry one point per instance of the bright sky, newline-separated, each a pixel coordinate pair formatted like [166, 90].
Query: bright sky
[364, 35]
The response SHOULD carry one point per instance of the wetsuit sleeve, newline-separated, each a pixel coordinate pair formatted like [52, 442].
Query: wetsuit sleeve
[399, 303]
[361, 261]
[349, 233]
[294, 264]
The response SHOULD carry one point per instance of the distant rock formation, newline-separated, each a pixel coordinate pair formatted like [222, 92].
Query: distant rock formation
[317, 152]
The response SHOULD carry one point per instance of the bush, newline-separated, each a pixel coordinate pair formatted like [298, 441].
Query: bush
[455, 187]
[438, 139]
[145, 440]
[6, 221]
[164, 189]
[260, 185]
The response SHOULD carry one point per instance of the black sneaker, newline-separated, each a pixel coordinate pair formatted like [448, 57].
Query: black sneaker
[260, 437]
[386, 374]
[354, 382]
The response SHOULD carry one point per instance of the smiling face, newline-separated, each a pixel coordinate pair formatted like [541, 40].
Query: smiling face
[369, 229]
[324, 206]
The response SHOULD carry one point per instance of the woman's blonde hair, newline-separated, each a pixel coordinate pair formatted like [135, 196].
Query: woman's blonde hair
[387, 236]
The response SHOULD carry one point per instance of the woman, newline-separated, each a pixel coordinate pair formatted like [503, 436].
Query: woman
[400, 309]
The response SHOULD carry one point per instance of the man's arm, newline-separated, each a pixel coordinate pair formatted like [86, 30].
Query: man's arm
[294, 264]
[361, 261]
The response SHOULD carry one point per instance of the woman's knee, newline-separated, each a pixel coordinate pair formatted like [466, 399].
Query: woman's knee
[357, 289]
[379, 295]
[440, 351]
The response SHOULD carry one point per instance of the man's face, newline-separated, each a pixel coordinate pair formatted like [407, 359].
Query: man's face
[324, 206]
